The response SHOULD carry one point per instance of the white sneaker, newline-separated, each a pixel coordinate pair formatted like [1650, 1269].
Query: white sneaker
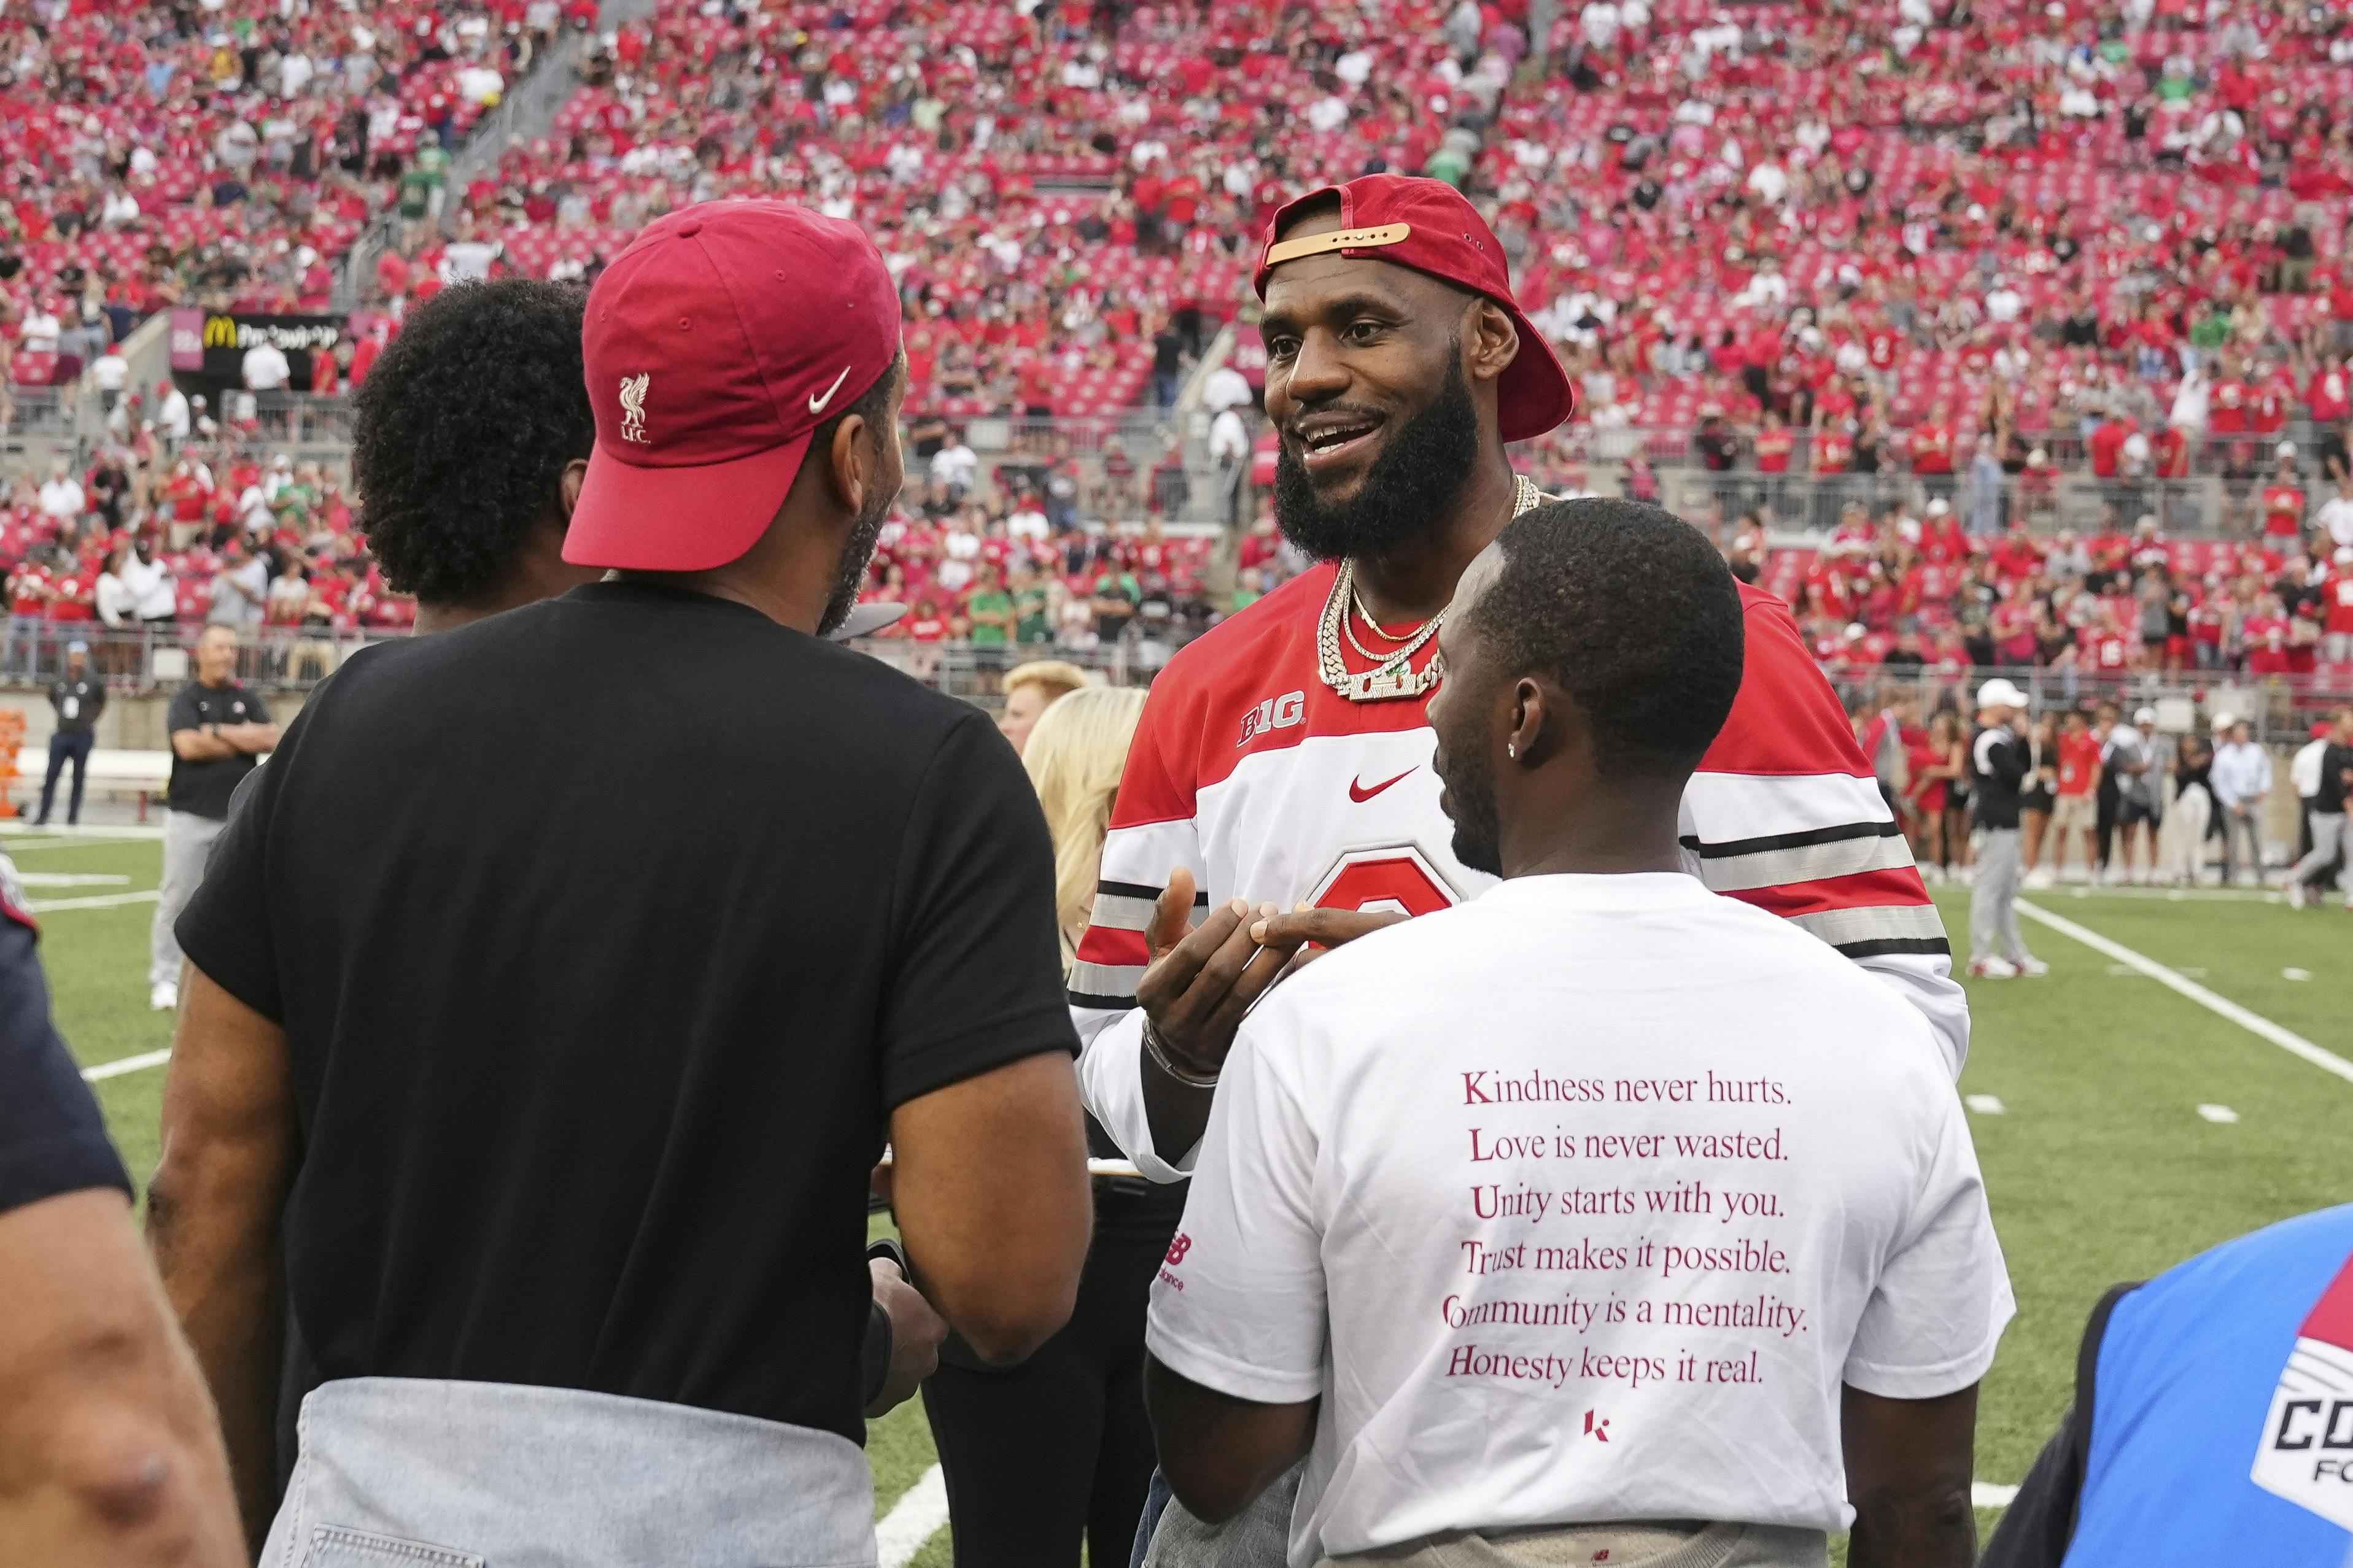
[2295, 890]
[1993, 969]
[2032, 968]
[2040, 877]
[164, 998]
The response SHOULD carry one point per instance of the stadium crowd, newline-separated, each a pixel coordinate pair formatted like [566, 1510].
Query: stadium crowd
[224, 153]
[1900, 225]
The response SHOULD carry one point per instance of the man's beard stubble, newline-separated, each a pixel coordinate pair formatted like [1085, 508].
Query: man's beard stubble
[1470, 802]
[857, 554]
[1410, 486]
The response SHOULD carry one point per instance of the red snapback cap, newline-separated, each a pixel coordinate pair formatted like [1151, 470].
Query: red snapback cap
[714, 346]
[1429, 225]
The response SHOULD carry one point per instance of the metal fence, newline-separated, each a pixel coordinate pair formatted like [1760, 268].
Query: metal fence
[1813, 503]
[2279, 709]
[281, 658]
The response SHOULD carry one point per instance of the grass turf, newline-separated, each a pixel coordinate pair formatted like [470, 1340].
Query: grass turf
[2100, 1168]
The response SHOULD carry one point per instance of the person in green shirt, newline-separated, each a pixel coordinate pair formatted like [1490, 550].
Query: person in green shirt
[2209, 332]
[990, 610]
[1247, 590]
[1030, 622]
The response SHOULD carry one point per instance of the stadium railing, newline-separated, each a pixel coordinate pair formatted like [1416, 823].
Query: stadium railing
[2280, 708]
[281, 658]
[1813, 503]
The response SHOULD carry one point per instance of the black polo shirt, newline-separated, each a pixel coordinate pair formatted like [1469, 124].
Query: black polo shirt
[606, 933]
[204, 787]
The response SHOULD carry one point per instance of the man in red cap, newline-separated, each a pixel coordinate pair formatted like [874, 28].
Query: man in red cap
[1278, 786]
[559, 1167]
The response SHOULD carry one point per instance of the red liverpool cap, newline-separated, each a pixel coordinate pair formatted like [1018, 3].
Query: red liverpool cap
[714, 346]
[1427, 225]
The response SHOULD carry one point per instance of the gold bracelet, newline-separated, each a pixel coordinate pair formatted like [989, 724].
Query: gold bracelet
[1164, 1058]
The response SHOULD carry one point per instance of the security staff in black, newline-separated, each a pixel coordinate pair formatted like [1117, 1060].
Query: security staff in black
[1999, 762]
[78, 701]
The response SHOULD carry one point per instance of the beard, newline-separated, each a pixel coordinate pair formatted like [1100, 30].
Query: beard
[1410, 486]
[1470, 802]
[857, 554]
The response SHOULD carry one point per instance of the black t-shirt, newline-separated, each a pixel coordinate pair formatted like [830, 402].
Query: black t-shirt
[204, 788]
[605, 934]
[2334, 762]
[52, 1139]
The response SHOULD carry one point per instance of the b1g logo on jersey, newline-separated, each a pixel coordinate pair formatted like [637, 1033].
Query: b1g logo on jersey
[1387, 879]
[1274, 713]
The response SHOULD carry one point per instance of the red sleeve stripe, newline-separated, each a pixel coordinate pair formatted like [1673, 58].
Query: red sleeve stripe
[1111, 944]
[1865, 890]
[1812, 857]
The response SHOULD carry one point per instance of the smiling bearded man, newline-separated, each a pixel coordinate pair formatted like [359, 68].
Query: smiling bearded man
[1283, 759]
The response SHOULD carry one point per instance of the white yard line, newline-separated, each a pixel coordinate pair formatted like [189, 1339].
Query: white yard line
[110, 833]
[913, 1520]
[2253, 1022]
[71, 879]
[122, 1064]
[92, 901]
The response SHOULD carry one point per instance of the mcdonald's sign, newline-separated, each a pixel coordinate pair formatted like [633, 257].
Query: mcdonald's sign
[213, 343]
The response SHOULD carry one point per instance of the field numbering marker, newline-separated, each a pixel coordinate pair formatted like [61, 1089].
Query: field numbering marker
[2253, 1022]
[2222, 1113]
[1984, 1104]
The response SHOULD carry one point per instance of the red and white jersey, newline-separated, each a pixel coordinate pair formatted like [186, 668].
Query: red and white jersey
[1269, 786]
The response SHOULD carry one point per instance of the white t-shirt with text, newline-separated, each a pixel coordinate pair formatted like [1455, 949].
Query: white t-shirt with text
[1580, 1202]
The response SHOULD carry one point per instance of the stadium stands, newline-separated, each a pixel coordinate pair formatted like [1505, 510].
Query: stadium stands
[1797, 255]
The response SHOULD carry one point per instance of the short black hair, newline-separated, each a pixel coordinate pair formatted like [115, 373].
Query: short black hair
[1631, 612]
[462, 430]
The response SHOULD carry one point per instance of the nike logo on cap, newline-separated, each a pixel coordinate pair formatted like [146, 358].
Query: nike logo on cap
[817, 404]
[1359, 794]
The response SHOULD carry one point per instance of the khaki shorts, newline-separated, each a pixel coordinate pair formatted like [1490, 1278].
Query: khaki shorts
[1633, 1545]
[2075, 811]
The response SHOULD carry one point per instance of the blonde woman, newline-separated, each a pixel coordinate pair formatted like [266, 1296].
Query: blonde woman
[1075, 751]
[1029, 690]
[1056, 1451]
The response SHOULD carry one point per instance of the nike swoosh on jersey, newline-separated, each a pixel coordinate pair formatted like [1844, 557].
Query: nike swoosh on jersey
[1359, 794]
[817, 404]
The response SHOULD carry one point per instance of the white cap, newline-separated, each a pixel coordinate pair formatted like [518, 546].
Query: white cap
[2145, 718]
[1938, 506]
[2286, 448]
[2222, 721]
[2344, 555]
[2000, 693]
[865, 620]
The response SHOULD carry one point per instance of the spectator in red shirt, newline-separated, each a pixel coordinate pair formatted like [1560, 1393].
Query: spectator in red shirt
[1774, 444]
[2283, 499]
[2108, 444]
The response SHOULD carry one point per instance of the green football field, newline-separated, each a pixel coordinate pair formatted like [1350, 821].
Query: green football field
[2121, 1124]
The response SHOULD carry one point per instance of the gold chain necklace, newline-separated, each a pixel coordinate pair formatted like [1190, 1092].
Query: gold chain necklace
[1392, 676]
